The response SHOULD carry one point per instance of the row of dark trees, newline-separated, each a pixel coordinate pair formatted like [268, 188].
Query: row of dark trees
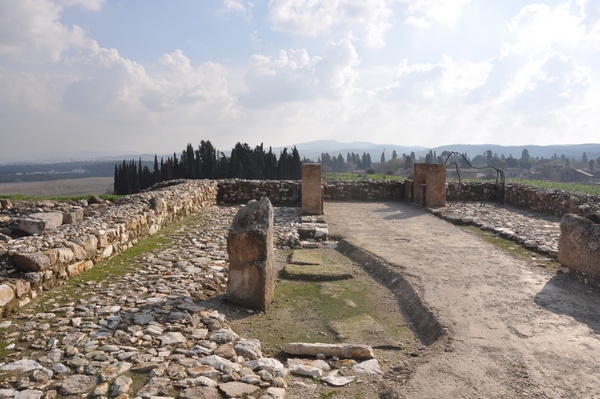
[338, 164]
[206, 162]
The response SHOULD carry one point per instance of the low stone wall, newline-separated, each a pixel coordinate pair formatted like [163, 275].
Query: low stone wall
[549, 201]
[290, 191]
[369, 190]
[28, 265]
[238, 191]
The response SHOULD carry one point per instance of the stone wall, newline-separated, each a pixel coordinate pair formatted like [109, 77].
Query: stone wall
[549, 201]
[290, 191]
[369, 190]
[238, 191]
[30, 264]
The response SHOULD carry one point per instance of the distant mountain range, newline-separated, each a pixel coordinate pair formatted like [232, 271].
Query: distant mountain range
[312, 150]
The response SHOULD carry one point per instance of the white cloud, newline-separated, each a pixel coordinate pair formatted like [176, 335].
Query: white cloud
[546, 83]
[92, 5]
[238, 6]
[590, 11]
[462, 77]
[539, 28]
[445, 81]
[367, 20]
[182, 84]
[295, 76]
[106, 81]
[421, 12]
[31, 31]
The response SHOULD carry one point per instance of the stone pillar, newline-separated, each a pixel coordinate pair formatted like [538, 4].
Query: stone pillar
[579, 245]
[408, 190]
[434, 178]
[312, 189]
[250, 250]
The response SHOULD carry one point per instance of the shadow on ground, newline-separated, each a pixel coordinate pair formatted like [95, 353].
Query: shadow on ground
[565, 294]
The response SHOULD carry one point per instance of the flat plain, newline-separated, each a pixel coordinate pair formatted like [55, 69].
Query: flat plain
[65, 187]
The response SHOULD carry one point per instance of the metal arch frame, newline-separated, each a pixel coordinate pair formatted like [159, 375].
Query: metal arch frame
[500, 185]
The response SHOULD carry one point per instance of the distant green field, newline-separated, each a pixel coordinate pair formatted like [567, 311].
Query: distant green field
[357, 176]
[593, 189]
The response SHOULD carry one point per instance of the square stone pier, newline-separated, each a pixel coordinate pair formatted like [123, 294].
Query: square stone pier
[312, 189]
[429, 188]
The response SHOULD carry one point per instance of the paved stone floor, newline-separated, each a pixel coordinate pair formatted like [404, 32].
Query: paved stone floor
[529, 228]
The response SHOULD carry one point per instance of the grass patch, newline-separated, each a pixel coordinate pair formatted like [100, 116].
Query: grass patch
[329, 176]
[592, 189]
[16, 197]
[303, 311]
[512, 247]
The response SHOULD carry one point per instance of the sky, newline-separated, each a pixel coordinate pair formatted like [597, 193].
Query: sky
[150, 76]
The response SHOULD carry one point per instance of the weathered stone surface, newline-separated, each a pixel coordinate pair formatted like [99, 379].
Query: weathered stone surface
[74, 215]
[6, 294]
[342, 351]
[37, 223]
[236, 389]
[23, 365]
[248, 348]
[337, 380]
[273, 393]
[200, 393]
[312, 189]
[370, 367]
[120, 385]
[579, 245]
[76, 384]
[31, 262]
[157, 386]
[172, 338]
[250, 248]
[434, 178]
[307, 371]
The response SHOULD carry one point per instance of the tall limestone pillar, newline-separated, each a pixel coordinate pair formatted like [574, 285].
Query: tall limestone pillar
[250, 249]
[312, 189]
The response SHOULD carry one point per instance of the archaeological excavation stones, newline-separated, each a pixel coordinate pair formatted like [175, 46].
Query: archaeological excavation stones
[429, 188]
[250, 249]
[579, 245]
[312, 189]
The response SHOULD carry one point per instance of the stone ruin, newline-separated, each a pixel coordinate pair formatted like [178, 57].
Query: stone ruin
[429, 187]
[579, 245]
[312, 189]
[93, 232]
[250, 250]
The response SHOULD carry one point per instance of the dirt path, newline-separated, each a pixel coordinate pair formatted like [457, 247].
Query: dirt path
[514, 329]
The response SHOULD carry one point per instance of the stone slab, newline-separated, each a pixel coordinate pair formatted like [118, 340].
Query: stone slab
[315, 273]
[312, 189]
[342, 351]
